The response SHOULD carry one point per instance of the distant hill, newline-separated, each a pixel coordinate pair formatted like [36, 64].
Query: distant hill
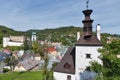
[66, 34]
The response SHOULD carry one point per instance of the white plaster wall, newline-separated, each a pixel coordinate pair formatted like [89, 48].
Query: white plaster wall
[15, 43]
[6, 42]
[81, 61]
[63, 76]
[21, 68]
[38, 58]
[33, 38]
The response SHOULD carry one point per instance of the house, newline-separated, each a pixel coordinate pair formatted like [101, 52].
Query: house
[75, 63]
[13, 41]
[52, 51]
[110, 39]
[26, 65]
[37, 56]
[2, 58]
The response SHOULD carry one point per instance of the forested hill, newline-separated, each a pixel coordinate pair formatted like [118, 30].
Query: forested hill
[5, 31]
[66, 35]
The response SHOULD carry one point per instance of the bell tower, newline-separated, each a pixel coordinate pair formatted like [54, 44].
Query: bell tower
[86, 48]
[87, 29]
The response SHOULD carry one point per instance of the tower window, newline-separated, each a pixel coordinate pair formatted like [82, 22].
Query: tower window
[88, 55]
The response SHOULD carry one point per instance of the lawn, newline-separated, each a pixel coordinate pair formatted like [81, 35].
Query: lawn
[23, 76]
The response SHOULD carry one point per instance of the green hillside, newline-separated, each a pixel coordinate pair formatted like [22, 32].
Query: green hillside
[66, 35]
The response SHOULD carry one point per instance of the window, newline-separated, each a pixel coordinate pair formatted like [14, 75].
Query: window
[68, 77]
[88, 68]
[88, 55]
[67, 66]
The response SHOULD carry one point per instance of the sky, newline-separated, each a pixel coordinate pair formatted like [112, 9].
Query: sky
[22, 15]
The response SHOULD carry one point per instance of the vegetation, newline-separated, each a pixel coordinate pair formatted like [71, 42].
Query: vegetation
[24, 76]
[110, 70]
[66, 35]
[15, 48]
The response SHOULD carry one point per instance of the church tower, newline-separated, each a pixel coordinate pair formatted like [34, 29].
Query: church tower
[33, 37]
[76, 60]
[87, 46]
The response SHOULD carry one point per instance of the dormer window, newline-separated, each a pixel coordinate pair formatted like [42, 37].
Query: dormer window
[67, 66]
[88, 56]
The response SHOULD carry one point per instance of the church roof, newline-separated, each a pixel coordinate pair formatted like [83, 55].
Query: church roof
[88, 41]
[67, 64]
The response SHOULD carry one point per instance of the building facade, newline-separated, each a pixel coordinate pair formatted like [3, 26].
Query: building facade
[33, 37]
[76, 60]
[13, 41]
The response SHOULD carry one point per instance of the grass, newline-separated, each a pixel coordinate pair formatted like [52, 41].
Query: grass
[29, 75]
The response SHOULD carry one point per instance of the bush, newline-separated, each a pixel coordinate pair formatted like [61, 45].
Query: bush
[5, 70]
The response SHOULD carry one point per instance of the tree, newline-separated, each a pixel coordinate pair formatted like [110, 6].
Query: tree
[11, 61]
[14, 48]
[110, 70]
[38, 48]
[27, 45]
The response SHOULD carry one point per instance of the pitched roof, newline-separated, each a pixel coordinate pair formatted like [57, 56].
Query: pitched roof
[3, 56]
[51, 49]
[29, 64]
[67, 64]
[88, 41]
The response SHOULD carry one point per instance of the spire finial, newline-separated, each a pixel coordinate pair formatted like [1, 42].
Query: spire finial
[87, 4]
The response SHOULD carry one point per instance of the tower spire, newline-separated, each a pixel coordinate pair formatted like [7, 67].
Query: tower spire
[87, 4]
[87, 29]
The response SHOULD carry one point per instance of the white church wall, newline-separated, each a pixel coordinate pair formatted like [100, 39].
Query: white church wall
[15, 43]
[6, 42]
[63, 76]
[33, 38]
[82, 61]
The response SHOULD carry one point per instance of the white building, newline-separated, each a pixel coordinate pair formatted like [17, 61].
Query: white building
[13, 41]
[33, 37]
[76, 60]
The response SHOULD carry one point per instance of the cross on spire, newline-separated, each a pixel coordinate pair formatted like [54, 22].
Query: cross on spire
[87, 4]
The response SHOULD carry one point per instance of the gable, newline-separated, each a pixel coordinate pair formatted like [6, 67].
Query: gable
[67, 64]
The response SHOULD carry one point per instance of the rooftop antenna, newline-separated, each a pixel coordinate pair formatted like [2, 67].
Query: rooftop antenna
[87, 4]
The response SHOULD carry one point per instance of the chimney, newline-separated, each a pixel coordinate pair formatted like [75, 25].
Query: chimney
[98, 31]
[78, 35]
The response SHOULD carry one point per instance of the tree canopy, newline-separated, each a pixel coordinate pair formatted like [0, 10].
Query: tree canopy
[110, 70]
